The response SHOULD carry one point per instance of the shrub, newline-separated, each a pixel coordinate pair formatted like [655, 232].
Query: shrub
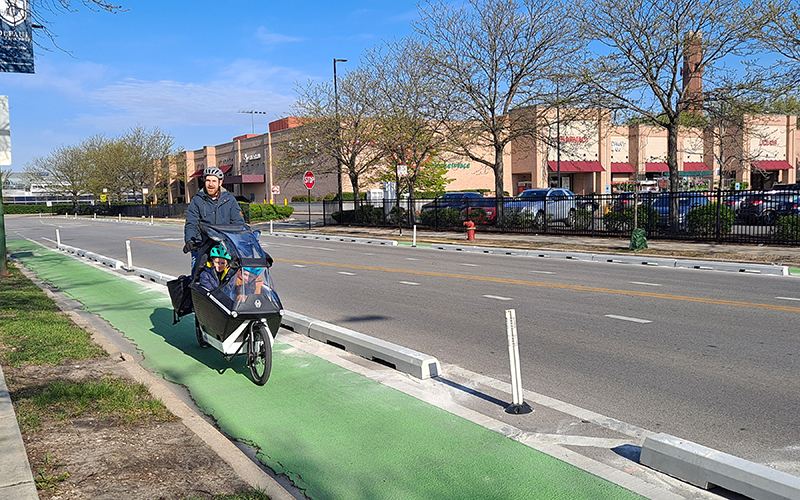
[623, 221]
[478, 216]
[441, 217]
[582, 219]
[788, 228]
[702, 221]
[366, 214]
[398, 216]
[512, 220]
[269, 212]
[302, 198]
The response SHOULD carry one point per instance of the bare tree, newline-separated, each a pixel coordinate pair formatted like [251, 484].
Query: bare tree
[347, 132]
[43, 10]
[648, 43]
[64, 172]
[412, 110]
[493, 57]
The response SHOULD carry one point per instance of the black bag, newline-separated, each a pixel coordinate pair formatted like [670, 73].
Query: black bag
[181, 297]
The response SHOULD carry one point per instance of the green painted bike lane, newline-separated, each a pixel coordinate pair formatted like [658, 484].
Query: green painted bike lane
[334, 433]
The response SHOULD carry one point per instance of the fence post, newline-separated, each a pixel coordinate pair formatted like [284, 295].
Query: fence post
[719, 214]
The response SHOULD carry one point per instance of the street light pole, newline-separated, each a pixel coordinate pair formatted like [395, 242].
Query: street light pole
[252, 119]
[338, 137]
[558, 135]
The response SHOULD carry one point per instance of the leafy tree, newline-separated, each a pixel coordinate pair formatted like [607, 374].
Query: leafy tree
[491, 57]
[643, 72]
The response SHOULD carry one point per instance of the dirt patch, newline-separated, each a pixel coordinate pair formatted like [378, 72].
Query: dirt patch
[93, 458]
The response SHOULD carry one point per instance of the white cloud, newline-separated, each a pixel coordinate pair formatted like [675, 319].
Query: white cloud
[271, 39]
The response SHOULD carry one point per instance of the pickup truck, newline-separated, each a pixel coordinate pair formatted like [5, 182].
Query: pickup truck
[551, 205]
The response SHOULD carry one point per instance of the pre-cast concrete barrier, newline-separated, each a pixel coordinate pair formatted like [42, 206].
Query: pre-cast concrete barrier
[706, 468]
[400, 358]
[328, 237]
[153, 276]
[625, 259]
[106, 261]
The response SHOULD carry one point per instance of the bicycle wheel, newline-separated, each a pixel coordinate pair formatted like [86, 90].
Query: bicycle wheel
[259, 355]
[203, 343]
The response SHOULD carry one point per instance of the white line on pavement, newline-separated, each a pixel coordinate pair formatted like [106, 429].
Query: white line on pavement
[787, 298]
[625, 318]
[408, 283]
[346, 273]
[643, 283]
[298, 265]
[471, 265]
[542, 272]
[496, 297]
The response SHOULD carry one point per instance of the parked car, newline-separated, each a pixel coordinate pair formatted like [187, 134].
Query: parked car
[626, 199]
[734, 202]
[791, 206]
[552, 205]
[686, 202]
[458, 201]
[762, 208]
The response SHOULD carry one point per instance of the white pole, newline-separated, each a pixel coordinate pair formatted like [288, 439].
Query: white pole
[270, 226]
[130, 256]
[414, 238]
[119, 217]
[518, 405]
[151, 220]
[58, 237]
[94, 215]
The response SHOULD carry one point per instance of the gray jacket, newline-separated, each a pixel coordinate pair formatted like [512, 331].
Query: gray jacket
[202, 208]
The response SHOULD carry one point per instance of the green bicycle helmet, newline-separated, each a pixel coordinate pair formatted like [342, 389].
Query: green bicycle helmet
[219, 251]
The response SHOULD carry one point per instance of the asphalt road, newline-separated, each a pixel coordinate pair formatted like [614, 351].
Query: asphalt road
[708, 356]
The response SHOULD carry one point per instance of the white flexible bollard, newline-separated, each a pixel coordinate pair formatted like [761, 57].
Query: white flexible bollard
[58, 237]
[414, 238]
[518, 406]
[119, 217]
[270, 227]
[130, 255]
[151, 220]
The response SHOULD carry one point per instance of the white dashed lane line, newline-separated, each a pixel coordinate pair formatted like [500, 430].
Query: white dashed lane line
[408, 283]
[787, 298]
[625, 318]
[643, 283]
[542, 272]
[298, 265]
[497, 297]
[346, 273]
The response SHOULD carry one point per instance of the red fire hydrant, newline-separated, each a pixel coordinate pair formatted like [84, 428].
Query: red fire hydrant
[470, 230]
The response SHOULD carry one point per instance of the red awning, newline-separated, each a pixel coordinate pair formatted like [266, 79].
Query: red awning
[693, 166]
[772, 164]
[197, 173]
[650, 167]
[622, 168]
[226, 168]
[576, 166]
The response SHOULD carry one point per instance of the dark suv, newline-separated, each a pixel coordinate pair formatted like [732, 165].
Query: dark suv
[762, 208]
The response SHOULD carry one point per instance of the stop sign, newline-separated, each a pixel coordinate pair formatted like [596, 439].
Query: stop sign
[308, 179]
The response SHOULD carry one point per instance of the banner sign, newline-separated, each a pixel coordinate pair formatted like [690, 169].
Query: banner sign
[5, 132]
[16, 43]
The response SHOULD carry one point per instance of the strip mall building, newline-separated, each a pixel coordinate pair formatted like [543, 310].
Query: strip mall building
[591, 155]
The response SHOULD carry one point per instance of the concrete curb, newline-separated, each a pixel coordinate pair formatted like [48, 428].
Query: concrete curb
[16, 478]
[327, 237]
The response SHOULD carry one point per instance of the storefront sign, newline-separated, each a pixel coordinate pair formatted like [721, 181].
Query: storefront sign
[16, 44]
[571, 138]
[254, 156]
[457, 165]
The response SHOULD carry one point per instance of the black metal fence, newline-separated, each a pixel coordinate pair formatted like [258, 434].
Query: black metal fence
[745, 217]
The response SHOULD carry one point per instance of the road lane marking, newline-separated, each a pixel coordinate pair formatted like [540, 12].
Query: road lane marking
[411, 258]
[408, 283]
[346, 273]
[471, 265]
[625, 318]
[787, 298]
[490, 279]
[542, 272]
[298, 265]
[643, 283]
[497, 297]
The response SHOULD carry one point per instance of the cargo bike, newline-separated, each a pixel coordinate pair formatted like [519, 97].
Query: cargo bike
[242, 315]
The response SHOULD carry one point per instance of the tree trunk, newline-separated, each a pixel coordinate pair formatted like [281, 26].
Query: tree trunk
[674, 179]
[498, 181]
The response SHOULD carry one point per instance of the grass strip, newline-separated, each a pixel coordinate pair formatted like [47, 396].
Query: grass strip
[32, 328]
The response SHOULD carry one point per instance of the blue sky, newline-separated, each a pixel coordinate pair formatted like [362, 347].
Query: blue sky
[186, 67]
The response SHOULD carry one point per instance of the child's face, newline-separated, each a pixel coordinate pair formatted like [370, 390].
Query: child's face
[219, 263]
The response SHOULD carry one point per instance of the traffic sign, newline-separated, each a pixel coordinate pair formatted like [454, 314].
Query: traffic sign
[276, 189]
[309, 179]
